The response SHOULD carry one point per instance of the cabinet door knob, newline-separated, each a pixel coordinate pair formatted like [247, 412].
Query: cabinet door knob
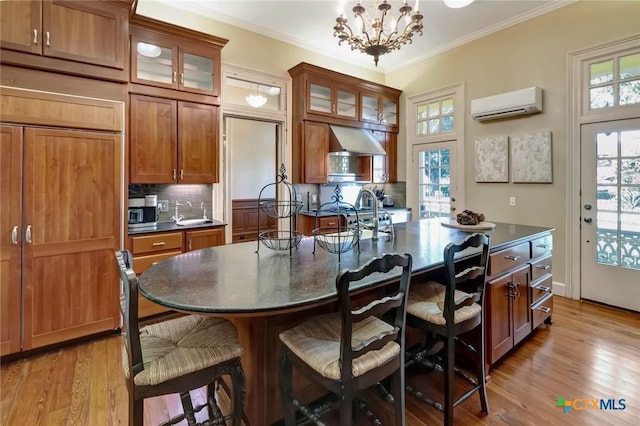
[35, 36]
[181, 174]
[181, 78]
[48, 39]
[175, 74]
[14, 235]
[27, 234]
[174, 174]
[189, 245]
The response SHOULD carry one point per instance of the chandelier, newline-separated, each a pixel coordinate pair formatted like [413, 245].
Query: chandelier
[255, 101]
[375, 32]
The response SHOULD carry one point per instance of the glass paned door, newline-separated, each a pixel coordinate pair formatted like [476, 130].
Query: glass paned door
[435, 186]
[610, 229]
[155, 63]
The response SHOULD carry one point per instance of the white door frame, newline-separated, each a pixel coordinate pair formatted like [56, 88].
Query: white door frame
[575, 118]
[456, 91]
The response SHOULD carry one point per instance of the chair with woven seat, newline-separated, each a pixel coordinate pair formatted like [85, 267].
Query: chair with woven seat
[176, 356]
[446, 311]
[353, 349]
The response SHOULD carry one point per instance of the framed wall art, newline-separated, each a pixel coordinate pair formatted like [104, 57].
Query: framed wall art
[492, 159]
[531, 158]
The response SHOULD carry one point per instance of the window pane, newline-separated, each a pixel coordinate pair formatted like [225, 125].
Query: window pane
[434, 109]
[607, 145]
[421, 128]
[601, 97]
[601, 72]
[630, 143]
[630, 92]
[447, 106]
[630, 66]
[607, 197]
[606, 172]
[422, 111]
[630, 199]
[434, 126]
[447, 123]
[630, 172]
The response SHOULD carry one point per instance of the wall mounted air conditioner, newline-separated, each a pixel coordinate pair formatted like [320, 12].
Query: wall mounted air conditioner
[519, 102]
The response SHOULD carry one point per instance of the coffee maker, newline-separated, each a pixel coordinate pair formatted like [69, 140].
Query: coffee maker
[141, 215]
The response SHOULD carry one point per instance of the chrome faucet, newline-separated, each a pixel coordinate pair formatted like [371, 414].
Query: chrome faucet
[374, 201]
[177, 217]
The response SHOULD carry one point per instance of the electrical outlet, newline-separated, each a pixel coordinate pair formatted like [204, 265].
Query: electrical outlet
[512, 201]
[163, 206]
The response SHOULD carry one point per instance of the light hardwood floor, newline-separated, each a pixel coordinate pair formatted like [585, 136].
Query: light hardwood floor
[590, 352]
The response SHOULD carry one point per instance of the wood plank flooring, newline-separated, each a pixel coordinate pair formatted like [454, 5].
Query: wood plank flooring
[590, 352]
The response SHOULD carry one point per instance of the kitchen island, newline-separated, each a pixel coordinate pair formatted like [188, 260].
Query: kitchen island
[266, 292]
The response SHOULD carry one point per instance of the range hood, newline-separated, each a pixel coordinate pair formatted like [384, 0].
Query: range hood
[353, 141]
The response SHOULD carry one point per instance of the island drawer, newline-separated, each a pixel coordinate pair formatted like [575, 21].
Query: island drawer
[157, 243]
[542, 310]
[508, 259]
[540, 290]
[541, 246]
[541, 267]
[142, 263]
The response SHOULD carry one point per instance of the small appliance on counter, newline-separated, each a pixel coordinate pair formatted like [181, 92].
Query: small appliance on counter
[143, 213]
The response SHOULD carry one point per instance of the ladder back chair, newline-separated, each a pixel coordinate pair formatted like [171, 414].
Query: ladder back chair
[353, 349]
[176, 356]
[445, 312]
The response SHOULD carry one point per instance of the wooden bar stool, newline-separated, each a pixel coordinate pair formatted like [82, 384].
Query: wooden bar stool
[176, 356]
[351, 350]
[445, 312]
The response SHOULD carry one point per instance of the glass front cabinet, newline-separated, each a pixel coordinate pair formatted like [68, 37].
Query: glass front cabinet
[332, 99]
[379, 108]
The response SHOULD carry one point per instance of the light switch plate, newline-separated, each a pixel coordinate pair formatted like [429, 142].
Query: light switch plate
[163, 206]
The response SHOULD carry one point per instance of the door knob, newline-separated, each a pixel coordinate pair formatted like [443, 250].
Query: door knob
[587, 219]
[587, 206]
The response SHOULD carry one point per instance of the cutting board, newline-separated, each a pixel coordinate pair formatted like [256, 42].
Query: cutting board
[452, 223]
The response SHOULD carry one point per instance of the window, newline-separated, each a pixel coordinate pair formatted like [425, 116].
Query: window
[614, 82]
[434, 117]
[434, 186]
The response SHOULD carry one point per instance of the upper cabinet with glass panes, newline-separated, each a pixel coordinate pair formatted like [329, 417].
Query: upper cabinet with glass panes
[328, 96]
[379, 108]
[160, 59]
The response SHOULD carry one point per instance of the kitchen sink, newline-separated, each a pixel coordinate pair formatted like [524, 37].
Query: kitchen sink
[190, 222]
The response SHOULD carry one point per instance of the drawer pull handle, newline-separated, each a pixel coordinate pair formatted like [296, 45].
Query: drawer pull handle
[544, 309]
[544, 246]
[510, 257]
[544, 267]
[544, 288]
[159, 243]
[154, 263]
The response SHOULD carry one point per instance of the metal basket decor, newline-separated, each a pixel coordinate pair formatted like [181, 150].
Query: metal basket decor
[280, 240]
[281, 209]
[338, 239]
[286, 205]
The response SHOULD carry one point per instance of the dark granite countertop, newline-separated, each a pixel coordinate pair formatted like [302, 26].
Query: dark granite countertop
[325, 213]
[234, 279]
[171, 226]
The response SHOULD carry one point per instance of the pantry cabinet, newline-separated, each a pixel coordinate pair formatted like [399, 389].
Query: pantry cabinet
[61, 240]
[172, 141]
[87, 32]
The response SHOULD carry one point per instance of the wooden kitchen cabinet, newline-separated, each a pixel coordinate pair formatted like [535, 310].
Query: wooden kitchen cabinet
[90, 32]
[315, 149]
[196, 240]
[541, 286]
[245, 220]
[149, 249]
[10, 238]
[380, 108]
[173, 141]
[175, 58]
[69, 230]
[385, 167]
[331, 98]
[306, 223]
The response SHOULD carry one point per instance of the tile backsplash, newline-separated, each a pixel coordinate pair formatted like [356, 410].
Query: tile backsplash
[183, 194]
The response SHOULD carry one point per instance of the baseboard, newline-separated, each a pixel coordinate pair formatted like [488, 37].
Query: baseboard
[560, 289]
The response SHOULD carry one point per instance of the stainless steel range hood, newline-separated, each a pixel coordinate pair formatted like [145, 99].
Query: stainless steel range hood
[353, 141]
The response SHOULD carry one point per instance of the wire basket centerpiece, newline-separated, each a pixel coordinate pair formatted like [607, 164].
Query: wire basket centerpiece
[285, 205]
[341, 238]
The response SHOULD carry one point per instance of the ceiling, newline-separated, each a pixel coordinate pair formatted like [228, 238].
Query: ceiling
[309, 23]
